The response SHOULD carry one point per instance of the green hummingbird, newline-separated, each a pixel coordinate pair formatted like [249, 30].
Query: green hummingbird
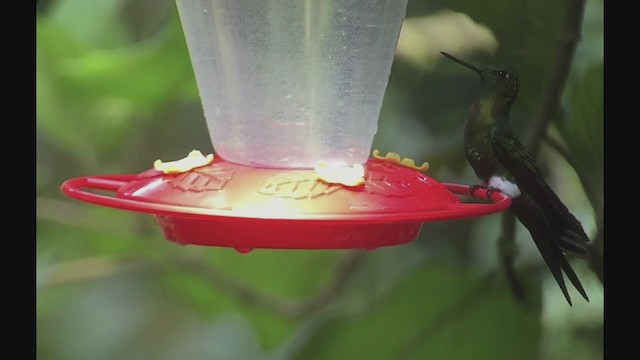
[502, 163]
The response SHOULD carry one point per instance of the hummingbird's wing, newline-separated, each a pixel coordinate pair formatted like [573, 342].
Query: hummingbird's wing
[517, 161]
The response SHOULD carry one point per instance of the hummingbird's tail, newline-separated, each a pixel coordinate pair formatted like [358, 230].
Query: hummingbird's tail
[573, 242]
[549, 241]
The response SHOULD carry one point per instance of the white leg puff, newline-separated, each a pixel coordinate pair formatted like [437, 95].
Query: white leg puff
[505, 186]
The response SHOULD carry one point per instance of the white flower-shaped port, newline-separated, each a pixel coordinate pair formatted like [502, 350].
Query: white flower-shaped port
[195, 159]
[337, 174]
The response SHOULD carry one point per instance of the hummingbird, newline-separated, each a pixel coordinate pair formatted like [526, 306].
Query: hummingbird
[502, 163]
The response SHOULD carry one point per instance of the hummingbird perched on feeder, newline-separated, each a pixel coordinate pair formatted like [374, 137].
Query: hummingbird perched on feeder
[502, 163]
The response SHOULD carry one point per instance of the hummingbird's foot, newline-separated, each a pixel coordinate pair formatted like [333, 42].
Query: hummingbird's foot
[473, 189]
[492, 190]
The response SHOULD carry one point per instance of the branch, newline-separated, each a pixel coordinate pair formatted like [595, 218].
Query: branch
[569, 37]
[99, 267]
[537, 128]
[597, 254]
[593, 195]
[346, 266]
[597, 261]
[88, 269]
[287, 308]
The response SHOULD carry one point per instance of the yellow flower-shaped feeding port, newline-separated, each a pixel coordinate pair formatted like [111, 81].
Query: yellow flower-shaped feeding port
[396, 159]
[195, 159]
[335, 174]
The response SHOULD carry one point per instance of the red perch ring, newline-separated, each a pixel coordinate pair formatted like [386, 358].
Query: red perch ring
[231, 205]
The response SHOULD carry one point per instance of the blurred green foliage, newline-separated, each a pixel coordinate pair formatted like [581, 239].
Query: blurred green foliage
[115, 91]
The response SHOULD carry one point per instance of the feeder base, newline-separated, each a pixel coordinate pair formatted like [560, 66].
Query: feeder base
[231, 205]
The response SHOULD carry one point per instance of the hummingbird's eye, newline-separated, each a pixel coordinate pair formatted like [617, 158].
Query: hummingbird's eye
[503, 74]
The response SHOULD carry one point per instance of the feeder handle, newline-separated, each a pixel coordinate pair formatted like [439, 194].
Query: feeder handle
[75, 188]
[500, 201]
[102, 182]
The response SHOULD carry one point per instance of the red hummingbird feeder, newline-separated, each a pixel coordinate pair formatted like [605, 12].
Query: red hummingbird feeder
[291, 91]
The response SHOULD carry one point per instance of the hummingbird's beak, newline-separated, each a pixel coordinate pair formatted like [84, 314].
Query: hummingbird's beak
[463, 63]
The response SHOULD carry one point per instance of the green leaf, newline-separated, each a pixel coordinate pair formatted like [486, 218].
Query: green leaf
[99, 321]
[89, 99]
[265, 271]
[227, 337]
[90, 22]
[437, 312]
[590, 49]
